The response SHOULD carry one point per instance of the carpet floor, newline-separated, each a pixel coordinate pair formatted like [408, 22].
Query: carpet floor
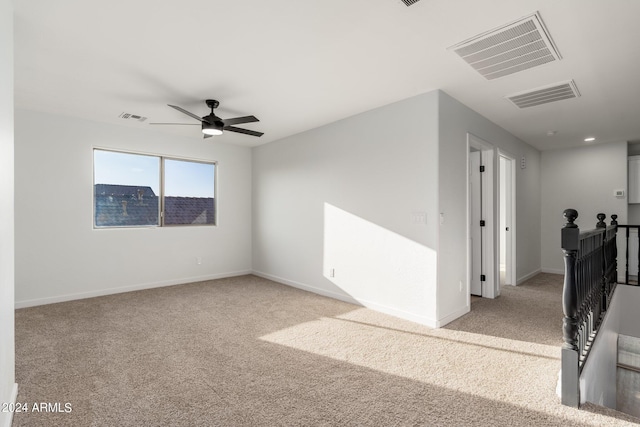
[246, 351]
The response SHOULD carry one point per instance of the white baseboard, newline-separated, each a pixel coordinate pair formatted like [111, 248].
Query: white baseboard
[452, 316]
[6, 418]
[528, 276]
[130, 288]
[422, 320]
[553, 270]
[357, 301]
[305, 287]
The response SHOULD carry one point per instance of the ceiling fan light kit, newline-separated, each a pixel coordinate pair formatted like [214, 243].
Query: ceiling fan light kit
[213, 125]
[211, 129]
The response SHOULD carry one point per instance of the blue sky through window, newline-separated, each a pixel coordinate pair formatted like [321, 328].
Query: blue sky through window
[110, 167]
[188, 179]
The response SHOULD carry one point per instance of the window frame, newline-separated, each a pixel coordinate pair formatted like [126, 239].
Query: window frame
[161, 184]
[162, 190]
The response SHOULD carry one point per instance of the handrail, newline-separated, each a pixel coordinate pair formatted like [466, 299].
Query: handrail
[589, 282]
[628, 367]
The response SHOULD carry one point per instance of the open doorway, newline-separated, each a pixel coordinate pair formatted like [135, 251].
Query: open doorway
[506, 227]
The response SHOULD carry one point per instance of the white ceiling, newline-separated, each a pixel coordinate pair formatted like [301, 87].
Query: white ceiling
[299, 64]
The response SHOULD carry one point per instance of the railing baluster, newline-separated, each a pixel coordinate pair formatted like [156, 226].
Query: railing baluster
[628, 278]
[626, 271]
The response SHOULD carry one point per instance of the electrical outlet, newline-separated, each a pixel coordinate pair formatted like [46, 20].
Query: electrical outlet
[419, 217]
[199, 260]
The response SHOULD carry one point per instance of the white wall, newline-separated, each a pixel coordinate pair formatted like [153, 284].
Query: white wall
[349, 196]
[629, 314]
[633, 214]
[598, 379]
[583, 179]
[60, 256]
[455, 121]
[8, 388]
[633, 209]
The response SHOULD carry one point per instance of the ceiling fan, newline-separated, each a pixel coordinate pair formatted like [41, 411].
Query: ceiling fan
[214, 125]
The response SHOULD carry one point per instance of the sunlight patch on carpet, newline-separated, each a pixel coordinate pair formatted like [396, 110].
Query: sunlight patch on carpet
[441, 357]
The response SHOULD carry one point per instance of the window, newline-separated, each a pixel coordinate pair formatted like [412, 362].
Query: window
[188, 192]
[134, 190]
[126, 189]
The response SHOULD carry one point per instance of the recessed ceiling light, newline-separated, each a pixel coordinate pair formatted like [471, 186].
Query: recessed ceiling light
[590, 139]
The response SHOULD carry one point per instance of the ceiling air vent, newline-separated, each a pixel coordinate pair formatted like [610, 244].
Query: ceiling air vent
[129, 116]
[410, 2]
[545, 95]
[509, 49]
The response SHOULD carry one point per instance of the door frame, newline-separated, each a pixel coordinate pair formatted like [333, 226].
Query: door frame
[511, 257]
[475, 215]
[490, 258]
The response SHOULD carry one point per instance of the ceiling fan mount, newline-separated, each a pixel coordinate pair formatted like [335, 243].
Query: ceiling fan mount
[214, 125]
[212, 103]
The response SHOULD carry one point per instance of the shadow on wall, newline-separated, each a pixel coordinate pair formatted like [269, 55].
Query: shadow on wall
[377, 267]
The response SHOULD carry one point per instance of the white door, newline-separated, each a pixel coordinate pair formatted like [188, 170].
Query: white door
[483, 203]
[475, 213]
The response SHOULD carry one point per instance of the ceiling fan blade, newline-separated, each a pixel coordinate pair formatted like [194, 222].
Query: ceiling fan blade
[207, 136]
[185, 124]
[239, 120]
[245, 131]
[182, 110]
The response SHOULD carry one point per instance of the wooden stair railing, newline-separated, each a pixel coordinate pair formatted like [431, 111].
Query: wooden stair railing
[589, 282]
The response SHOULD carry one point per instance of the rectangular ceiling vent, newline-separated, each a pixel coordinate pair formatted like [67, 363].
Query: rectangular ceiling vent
[509, 49]
[410, 2]
[129, 116]
[545, 95]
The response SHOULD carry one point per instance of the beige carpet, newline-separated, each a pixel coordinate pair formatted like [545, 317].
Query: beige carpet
[250, 352]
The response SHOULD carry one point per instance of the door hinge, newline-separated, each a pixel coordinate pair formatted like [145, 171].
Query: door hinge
[482, 223]
[483, 278]
[481, 168]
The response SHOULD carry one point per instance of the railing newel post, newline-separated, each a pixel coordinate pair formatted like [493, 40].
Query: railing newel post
[570, 332]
